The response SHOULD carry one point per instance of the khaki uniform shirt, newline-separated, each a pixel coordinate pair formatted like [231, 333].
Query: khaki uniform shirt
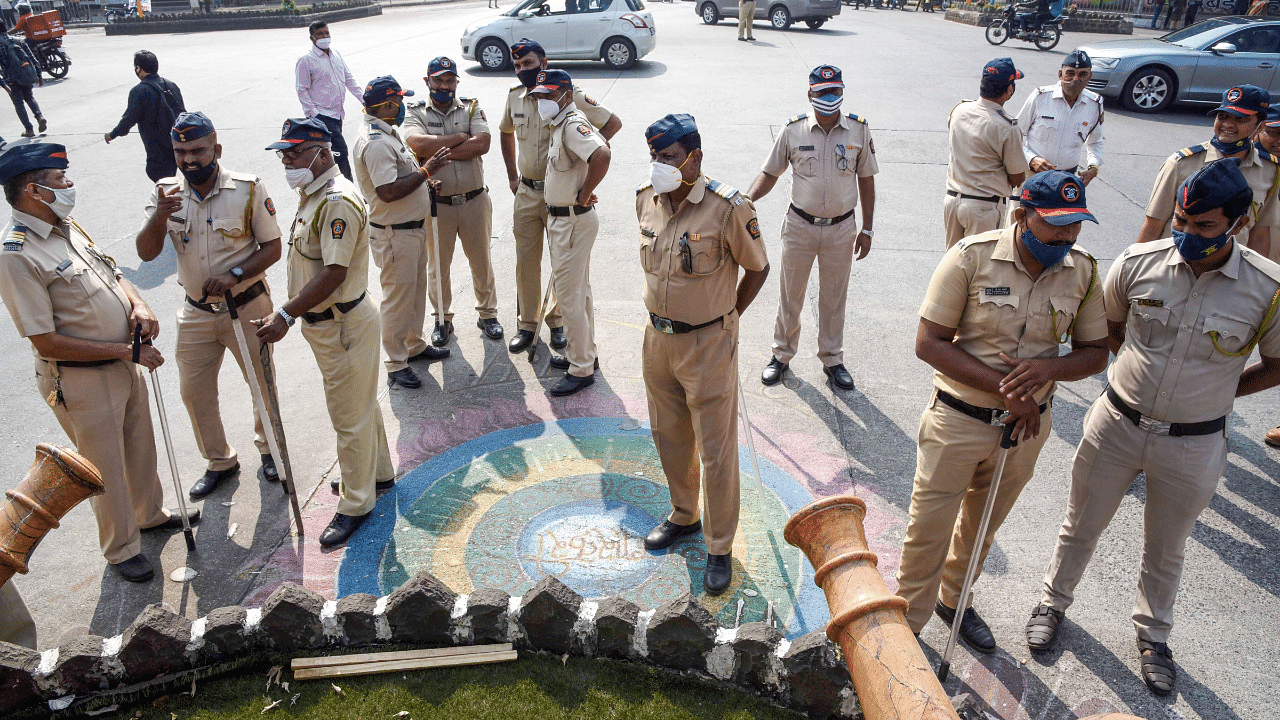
[986, 147]
[53, 279]
[380, 158]
[464, 116]
[533, 134]
[1168, 367]
[711, 290]
[211, 235]
[824, 165]
[573, 140]
[331, 228]
[1260, 173]
[982, 289]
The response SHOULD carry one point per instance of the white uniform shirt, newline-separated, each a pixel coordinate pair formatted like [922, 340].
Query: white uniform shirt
[1056, 131]
[320, 79]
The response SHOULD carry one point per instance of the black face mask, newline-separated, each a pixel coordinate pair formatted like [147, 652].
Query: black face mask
[200, 175]
[528, 77]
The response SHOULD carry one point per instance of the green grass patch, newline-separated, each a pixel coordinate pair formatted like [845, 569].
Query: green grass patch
[535, 687]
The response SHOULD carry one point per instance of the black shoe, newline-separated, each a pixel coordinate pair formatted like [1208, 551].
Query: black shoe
[522, 341]
[973, 629]
[558, 340]
[561, 362]
[430, 354]
[379, 486]
[440, 334]
[773, 372]
[719, 573]
[839, 376]
[29, 133]
[41, 124]
[340, 529]
[404, 376]
[570, 384]
[175, 520]
[1042, 628]
[209, 482]
[491, 327]
[136, 569]
[268, 469]
[667, 533]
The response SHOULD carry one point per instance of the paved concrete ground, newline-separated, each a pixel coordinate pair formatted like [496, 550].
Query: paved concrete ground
[904, 72]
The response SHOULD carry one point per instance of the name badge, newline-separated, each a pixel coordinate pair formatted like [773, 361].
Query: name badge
[992, 291]
[1148, 302]
[517, 114]
[435, 124]
[806, 147]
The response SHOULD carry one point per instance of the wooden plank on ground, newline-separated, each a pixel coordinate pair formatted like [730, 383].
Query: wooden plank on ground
[373, 668]
[336, 660]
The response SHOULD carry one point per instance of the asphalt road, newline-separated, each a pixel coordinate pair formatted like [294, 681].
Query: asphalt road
[904, 71]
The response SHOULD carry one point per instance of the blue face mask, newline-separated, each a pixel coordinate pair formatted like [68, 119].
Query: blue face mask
[828, 104]
[1194, 247]
[442, 97]
[399, 119]
[1048, 255]
[1234, 148]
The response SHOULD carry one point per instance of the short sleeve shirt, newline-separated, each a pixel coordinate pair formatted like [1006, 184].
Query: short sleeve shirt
[380, 158]
[986, 147]
[464, 116]
[824, 165]
[533, 134]
[1260, 172]
[1168, 368]
[1056, 130]
[707, 287]
[573, 141]
[982, 289]
[331, 228]
[213, 234]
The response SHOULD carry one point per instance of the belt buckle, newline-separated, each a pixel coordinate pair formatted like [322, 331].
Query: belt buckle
[663, 325]
[218, 307]
[539, 184]
[822, 222]
[457, 199]
[1153, 426]
[997, 417]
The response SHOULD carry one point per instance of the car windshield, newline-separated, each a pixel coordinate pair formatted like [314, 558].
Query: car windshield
[636, 5]
[526, 5]
[1200, 34]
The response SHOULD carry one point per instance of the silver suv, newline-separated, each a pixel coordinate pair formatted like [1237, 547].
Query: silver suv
[779, 13]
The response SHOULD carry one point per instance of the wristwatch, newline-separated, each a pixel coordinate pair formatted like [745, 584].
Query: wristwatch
[238, 272]
[869, 233]
[288, 319]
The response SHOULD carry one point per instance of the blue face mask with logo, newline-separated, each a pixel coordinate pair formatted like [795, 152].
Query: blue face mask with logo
[1194, 247]
[1225, 148]
[1048, 255]
[442, 97]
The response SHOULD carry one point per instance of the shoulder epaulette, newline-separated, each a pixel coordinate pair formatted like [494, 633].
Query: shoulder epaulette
[1193, 150]
[1147, 248]
[519, 86]
[374, 130]
[419, 103]
[243, 177]
[858, 119]
[1012, 120]
[1267, 156]
[1255, 259]
[797, 118]
[982, 237]
[725, 191]
[17, 236]
[464, 100]
[644, 186]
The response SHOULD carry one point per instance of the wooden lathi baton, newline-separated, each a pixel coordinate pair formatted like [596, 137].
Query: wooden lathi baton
[58, 480]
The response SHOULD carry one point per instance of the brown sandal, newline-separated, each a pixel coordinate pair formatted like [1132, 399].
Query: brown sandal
[1042, 628]
[1158, 670]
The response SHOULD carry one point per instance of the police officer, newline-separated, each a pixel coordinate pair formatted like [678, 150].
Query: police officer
[73, 304]
[394, 185]
[1266, 140]
[328, 274]
[695, 233]
[223, 229]
[1184, 314]
[1058, 120]
[522, 127]
[986, 155]
[577, 161]
[999, 305]
[457, 124]
[833, 162]
[1234, 123]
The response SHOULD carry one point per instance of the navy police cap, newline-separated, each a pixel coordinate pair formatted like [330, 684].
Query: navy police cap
[551, 80]
[1077, 59]
[1273, 117]
[299, 130]
[669, 129]
[441, 66]
[382, 89]
[1243, 101]
[1001, 71]
[825, 76]
[1057, 196]
[33, 156]
[191, 126]
[524, 46]
[1213, 186]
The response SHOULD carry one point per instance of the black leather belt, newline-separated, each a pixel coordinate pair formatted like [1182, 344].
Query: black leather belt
[411, 225]
[822, 221]
[992, 198]
[249, 293]
[345, 307]
[535, 184]
[989, 416]
[82, 363]
[459, 199]
[675, 327]
[563, 210]
[1160, 427]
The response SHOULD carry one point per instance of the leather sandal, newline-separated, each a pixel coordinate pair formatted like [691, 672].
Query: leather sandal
[1158, 670]
[1042, 628]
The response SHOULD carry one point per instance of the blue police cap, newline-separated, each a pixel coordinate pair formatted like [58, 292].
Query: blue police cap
[1243, 101]
[1077, 59]
[669, 129]
[524, 46]
[1213, 186]
[1273, 117]
[551, 80]
[826, 76]
[382, 89]
[299, 130]
[191, 126]
[1057, 196]
[33, 156]
[441, 66]
[1000, 71]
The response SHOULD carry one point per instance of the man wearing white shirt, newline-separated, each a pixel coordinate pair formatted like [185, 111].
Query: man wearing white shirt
[322, 77]
[1057, 120]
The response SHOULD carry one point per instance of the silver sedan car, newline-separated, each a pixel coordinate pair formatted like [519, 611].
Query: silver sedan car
[1194, 64]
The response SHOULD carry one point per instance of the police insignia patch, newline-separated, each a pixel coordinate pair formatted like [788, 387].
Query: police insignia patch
[1070, 192]
[582, 130]
[753, 229]
[871, 145]
[590, 100]
[338, 227]
[271, 207]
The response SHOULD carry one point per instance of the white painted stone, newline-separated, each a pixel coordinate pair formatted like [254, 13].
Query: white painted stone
[252, 619]
[641, 641]
[197, 635]
[724, 636]
[111, 646]
[329, 619]
[783, 646]
[48, 661]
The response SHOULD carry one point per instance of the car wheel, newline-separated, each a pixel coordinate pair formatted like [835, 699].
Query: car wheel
[780, 17]
[815, 24]
[1148, 90]
[618, 53]
[493, 55]
[710, 15]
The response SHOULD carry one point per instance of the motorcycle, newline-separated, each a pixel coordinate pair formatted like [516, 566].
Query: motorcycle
[51, 57]
[1045, 37]
[113, 15]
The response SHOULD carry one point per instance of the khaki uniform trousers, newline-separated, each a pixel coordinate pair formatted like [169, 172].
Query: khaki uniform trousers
[471, 222]
[529, 221]
[962, 217]
[107, 417]
[346, 349]
[1182, 475]
[746, 13]
[954, 467]
[570, 239]
[203, 338]
[401, 257]
[690, 380]
[832, 247]
[16, 623]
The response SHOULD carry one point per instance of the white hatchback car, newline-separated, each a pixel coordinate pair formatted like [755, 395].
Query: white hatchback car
[619, 32]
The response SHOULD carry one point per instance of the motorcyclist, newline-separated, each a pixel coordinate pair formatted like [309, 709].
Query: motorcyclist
[24, 26]
[1044, 11]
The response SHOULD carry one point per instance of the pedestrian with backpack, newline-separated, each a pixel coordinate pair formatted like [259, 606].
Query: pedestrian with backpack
[154, 104]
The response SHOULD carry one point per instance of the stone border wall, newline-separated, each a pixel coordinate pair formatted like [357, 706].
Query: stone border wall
[1081, 21]
[244, 20]
[162, 651]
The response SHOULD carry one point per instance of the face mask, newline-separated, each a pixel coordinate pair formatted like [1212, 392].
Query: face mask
[548, 109]
[528, 78]
[200, 175]
[443, 97]
[1196, 247]
[1229, 148]
[64, 200]
[828, 104]
[323, 43]
[666, 178]
[399, 119]
[300, 178]
[1048, 255]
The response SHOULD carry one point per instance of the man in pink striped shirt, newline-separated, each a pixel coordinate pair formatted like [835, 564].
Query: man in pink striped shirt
[321, 78]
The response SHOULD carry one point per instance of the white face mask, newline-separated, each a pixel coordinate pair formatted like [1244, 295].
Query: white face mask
[323, 43]
[665, 178]
[548, 109]
[300, 178]
[64, 200]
